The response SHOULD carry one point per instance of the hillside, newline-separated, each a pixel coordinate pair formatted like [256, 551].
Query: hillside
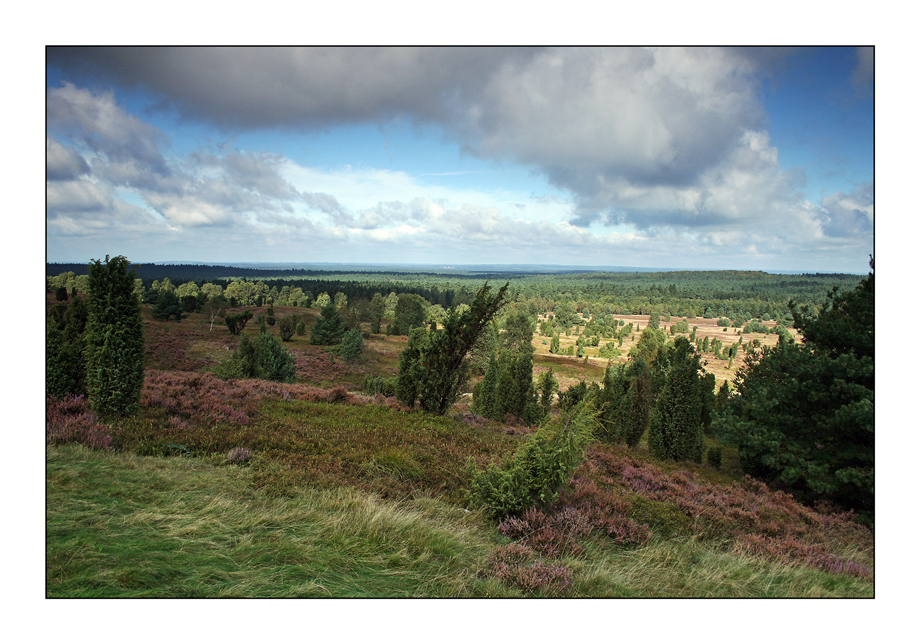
[249, 488]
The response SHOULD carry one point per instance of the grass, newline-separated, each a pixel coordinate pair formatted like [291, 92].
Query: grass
[121, 525]
[127, 526]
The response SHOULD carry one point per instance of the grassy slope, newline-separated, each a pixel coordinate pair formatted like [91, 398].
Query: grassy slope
[126, 526]
[342, 500]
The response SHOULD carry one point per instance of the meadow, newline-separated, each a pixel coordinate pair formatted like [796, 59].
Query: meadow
[249, 488]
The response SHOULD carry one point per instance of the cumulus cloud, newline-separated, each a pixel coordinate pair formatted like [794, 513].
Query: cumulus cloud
[666, 147]
[203, 189]
[586, 116]
[104, 127]
[647, 115]
[281, 86]
[846, 213]
[76, 196]
[62, 162]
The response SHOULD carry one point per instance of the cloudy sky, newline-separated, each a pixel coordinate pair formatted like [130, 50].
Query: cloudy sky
[673, 158]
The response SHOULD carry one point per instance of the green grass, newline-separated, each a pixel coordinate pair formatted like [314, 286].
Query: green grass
[129, 526]
[121, 525]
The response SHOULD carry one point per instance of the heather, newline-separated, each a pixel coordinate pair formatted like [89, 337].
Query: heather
[328, 486]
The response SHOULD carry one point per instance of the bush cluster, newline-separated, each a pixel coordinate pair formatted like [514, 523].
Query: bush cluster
[374, 385]
[265, 358]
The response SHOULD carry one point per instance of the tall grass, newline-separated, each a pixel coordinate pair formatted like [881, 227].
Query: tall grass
[121, 525]
[128, 526]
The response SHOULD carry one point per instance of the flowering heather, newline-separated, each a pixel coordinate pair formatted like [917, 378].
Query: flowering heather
[763, 522]
[167, 346]
[606, 510]
[511, 564]
[315, 365]
[205, 400]
[787, 550]
[553, 534]
[69, 420]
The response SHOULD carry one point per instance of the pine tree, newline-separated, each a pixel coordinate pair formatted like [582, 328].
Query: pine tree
[804, 414]
[329, 328]
[114, 339]
[352, 345]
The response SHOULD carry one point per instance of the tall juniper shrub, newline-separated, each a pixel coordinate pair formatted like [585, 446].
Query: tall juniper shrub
[538, 468]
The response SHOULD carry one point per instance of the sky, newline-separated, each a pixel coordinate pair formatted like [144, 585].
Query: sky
[682, 158]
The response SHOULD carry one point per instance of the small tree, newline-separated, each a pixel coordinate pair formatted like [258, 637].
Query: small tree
[215, 307]
[677, 422]
[352, 345]
[411, 310]
[376, 311]
[264, 357]
[65, 340]
[167, 305]
[236, 322]
[548, 386]
[114, 339]
[286, 328]
[436, 363]
[329, 328]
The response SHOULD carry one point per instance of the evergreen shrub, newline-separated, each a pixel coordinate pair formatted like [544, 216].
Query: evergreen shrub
[538, 469]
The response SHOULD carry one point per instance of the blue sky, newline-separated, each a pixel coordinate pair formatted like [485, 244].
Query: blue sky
[724, 158]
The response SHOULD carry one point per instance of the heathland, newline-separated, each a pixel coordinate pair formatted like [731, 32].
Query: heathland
[273, 452]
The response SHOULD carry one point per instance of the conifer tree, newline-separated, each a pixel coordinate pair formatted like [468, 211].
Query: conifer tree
[114, 339]
[434, 367]
[329, 328]
[676, 424]
[548, 387]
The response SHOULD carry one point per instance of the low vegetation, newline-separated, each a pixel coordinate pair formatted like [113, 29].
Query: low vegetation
[257, 462]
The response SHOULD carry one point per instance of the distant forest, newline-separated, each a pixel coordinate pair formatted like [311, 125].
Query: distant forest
[737, 295]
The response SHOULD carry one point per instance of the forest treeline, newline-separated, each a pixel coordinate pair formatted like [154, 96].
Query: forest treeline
[736, 295]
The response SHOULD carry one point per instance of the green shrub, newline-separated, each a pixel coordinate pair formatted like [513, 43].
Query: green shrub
[237, 321]
[539, 468]
[755, 327]
[286, 328]
[265, 358]
[379, 385]
[352, 345]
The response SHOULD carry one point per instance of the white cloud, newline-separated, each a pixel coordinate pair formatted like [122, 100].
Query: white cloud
[62, 162]
[662, 152]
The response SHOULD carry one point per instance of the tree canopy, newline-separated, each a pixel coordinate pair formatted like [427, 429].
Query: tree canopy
[803, 416]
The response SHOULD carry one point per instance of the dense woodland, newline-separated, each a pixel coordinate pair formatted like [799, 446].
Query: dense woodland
[729, 371]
